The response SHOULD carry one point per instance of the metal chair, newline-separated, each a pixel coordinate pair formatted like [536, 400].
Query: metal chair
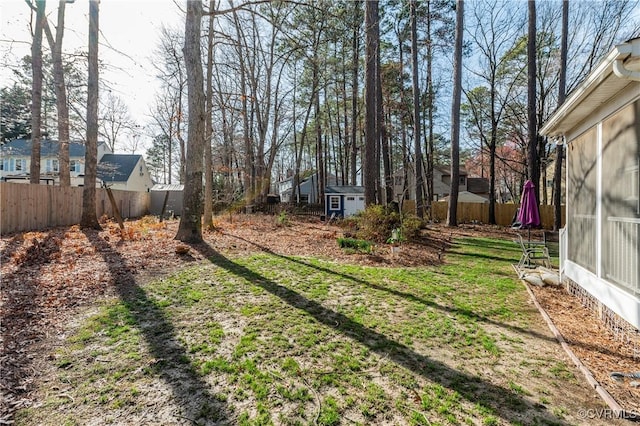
[533, 251]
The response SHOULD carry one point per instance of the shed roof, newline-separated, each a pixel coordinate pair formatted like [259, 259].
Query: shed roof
[167, 187]
[599, 87]
[344, 189]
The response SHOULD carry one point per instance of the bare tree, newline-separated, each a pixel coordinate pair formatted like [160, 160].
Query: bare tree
[370, 168]
[416, 115]
[89, 216]
[170, 66]
[208, 161]
[61, 93]
[562, 83]
[534, 170]
[452, 214]
[353, 151]
[36, 93]
[190, 228]
[115, 120]
[496, 28]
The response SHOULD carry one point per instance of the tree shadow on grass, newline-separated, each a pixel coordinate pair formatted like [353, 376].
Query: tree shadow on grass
[192, 394]
[503, 402]
[468, 313]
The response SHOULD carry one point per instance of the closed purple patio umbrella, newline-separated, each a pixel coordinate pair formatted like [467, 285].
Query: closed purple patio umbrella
[529, 215]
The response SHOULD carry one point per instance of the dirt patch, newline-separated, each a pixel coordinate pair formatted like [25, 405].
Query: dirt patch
[50, 276]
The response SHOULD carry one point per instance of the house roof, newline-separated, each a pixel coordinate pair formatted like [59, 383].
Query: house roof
[48, 148]
[117, 167]
[468, 197]
[344, 189]
[446, 170]
[607, 81]
[167, 187]
[478, 185]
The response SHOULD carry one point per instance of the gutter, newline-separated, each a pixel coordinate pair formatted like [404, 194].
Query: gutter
[628, 49]
[615, 59]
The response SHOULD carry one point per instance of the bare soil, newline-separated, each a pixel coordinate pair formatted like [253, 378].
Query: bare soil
[50, 276]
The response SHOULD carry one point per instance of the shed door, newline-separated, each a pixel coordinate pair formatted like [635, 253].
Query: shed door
[352, 205]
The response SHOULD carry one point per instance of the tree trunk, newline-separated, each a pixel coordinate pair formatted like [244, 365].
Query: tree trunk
[355, 59]
[89, 216]
[534, 170]
[403, 132]
[452, 214]
[208, 166]
[370, 168]
[190, 228]
[430, 107]
[416, 114]
[61, 97]
[319, 145]
[36, 93]
[562, 84]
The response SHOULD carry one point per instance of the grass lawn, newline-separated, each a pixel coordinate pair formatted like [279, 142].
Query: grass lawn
[270, 339]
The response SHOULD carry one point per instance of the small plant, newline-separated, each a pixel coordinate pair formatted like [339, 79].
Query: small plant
[355, 245]
[396, 237]
[283, 219]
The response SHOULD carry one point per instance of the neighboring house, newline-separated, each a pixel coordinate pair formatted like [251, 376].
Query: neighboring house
[308, 189]
[441, 184]
[549, 185]
[121, 171]
[126, 172]
[343, 200]
[479, 186]
[600, 125]
[468, 197]
[15, 159]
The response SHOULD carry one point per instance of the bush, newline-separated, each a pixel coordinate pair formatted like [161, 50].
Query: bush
[411, 225]
[376, 223]
[282, 219]
[354, 244]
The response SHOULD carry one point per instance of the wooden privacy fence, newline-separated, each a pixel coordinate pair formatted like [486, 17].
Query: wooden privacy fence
[479, 212]
[27, 207]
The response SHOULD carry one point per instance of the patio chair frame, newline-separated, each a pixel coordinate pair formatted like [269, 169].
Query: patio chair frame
[533, 251]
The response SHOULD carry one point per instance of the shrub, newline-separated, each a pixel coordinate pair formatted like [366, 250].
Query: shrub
[355, 245]
[411, 225]
[282, 219]
[376, 223]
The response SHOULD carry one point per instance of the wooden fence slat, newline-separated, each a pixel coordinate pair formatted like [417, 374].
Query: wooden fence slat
[470, 212]
[27, 207]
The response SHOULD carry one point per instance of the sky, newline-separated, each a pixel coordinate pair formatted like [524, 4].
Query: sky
[129, 35]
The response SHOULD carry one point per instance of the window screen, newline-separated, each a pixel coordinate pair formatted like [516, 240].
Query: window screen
[581, 211]
[620, 219]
